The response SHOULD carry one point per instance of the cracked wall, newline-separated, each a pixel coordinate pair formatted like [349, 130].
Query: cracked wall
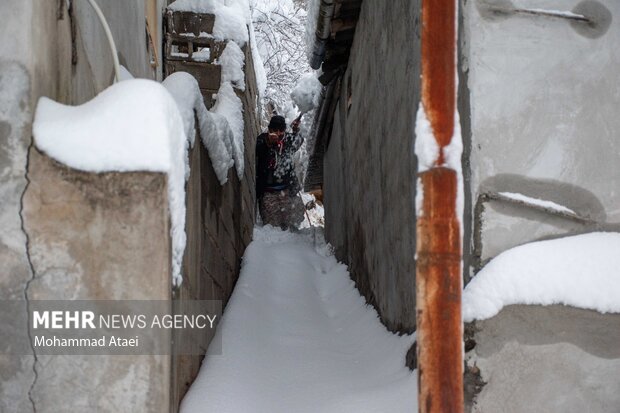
[50, 50]
[16, 371]
[97, 237]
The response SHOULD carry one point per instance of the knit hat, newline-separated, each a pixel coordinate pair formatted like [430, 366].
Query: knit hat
[277, 123]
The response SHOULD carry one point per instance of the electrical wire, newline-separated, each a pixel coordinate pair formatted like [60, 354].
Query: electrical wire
[108, 33]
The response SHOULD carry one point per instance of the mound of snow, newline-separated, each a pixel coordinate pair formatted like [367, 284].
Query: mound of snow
[581, 271]
[307, 92]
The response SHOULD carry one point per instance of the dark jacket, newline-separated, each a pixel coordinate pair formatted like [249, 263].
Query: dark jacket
[275, 169]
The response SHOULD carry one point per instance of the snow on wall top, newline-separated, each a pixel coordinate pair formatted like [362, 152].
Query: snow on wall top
[133, 125]
[231, 17]
[228, 104]
[215, 132]
[232, 22]
[581, 271]
[232, 61]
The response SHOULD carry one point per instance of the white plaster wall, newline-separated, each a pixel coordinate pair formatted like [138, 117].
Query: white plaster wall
[544, 106]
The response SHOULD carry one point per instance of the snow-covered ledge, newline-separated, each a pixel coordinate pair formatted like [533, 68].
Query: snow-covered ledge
[133, 125]
[582, 271]
[215, 132]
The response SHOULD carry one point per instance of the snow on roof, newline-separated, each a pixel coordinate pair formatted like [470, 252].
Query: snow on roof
[215, 132]
[581, 271]
[231, 17]
[133, 125]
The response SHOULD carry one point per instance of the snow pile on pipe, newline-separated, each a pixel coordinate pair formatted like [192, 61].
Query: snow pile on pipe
[133, 125]
[581, 271]
[215, 133]
[307, 92]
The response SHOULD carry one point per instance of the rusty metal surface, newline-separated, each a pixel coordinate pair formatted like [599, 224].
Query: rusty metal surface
[438, 284]
[438, 271]
[439, 67]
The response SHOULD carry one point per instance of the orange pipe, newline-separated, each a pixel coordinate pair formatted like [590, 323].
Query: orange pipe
[438, 269]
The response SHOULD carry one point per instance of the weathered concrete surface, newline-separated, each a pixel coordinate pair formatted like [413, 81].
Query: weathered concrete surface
[370, 165]
[48, 50]
[16, 374]
[98, 236]
[544, 123]
[548, 359]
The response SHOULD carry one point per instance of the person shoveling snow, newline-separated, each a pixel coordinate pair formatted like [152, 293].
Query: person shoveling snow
[276, 182]
[277, 186]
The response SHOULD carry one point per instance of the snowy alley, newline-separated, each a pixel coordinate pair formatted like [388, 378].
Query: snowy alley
[298, 337]
[373, 202]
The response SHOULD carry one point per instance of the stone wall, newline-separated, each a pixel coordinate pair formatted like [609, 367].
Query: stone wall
[370, 166]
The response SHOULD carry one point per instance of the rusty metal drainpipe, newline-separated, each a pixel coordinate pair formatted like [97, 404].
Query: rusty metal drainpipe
[438, 274]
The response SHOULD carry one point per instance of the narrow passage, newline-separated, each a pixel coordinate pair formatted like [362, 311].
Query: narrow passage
[298, 337]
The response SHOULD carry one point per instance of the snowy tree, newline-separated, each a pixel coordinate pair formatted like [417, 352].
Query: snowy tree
[279, 27]
[280, 31]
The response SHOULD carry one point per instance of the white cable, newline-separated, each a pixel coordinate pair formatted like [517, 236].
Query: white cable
[108, 33]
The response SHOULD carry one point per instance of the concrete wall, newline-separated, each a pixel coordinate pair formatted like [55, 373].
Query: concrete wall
[370, 165]
[544, 122]
[47, 50]
[104, 253]
[97, 237]
[544, 97]
[548, 359]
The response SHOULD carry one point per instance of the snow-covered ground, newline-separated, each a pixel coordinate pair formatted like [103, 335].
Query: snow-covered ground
[298, 337]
